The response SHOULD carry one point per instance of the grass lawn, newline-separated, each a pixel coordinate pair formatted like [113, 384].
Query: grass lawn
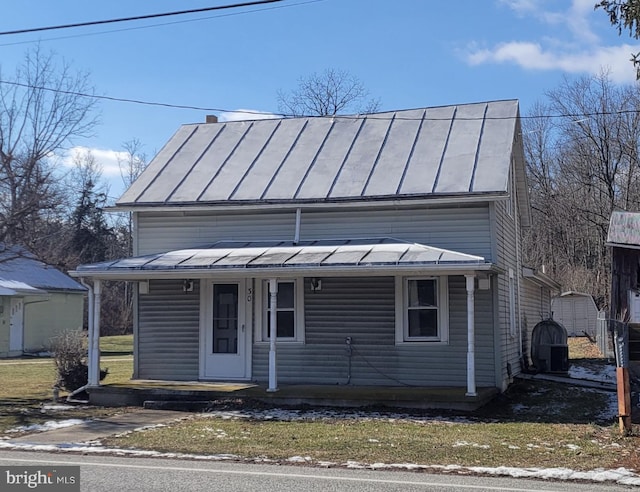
[28, 387]
[116, 345]
[534, 424]
[421, 442]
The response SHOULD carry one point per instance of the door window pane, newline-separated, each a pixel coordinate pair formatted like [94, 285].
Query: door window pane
[225, 319]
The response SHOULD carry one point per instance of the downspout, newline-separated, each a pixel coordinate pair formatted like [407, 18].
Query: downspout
[90, 320]
[273, 321]
[471, 349]
[94, 350]
[296, 237]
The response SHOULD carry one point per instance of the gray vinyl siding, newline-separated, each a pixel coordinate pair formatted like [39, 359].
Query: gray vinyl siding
[168, 331]
[364, 309]
[536, 306]
[506, 246]
[464, 229]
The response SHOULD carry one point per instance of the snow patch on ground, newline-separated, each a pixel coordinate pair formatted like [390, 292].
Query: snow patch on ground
[619, 475]
[604, 374]
[58, 407]
[294, 415]
[48, 425]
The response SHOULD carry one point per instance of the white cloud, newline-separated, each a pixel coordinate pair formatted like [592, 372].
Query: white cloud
[246, 114]
[533, 56]
[573, 46]
[106, 159]
[522, 7]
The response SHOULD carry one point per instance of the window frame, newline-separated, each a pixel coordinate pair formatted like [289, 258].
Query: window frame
[262, 311]
[402, 311]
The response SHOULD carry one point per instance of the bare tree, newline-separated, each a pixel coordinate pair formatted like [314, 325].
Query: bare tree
[133, 162]
[329, 93]
[581, 167]
[42, 108]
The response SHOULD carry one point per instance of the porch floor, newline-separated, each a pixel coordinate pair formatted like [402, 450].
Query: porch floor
[194, 395]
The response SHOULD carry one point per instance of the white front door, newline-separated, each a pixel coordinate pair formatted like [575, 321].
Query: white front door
[16, 325]
[226, 338]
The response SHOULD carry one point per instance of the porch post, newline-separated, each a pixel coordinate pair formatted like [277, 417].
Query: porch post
[471, 362]
[94, 337]
[273, 322]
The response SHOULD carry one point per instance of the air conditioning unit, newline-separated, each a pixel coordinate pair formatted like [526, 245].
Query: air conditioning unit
[554, 357]
[634, 306]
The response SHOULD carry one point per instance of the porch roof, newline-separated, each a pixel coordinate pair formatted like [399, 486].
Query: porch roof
[286, 257]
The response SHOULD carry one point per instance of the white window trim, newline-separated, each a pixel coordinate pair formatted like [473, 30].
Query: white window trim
[262, 290]
[402, 312]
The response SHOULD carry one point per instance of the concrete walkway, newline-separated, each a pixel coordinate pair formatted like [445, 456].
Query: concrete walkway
[93, 430]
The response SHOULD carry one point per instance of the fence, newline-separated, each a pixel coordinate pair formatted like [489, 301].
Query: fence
[603, 337]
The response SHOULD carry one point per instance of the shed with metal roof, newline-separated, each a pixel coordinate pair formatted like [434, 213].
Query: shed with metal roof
[37, 303]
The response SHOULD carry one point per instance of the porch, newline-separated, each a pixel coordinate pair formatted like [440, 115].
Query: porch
[198, 395]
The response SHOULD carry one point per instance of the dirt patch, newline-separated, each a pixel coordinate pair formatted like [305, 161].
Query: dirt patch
[583, 348]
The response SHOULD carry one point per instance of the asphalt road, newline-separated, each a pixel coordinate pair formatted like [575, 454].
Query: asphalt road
[112, 473]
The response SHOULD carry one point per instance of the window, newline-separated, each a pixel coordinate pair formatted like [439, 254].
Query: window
[289, 311]
[423, 303]
[285, 311]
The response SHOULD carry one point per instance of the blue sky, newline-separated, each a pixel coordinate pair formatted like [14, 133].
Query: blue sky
[408, 53]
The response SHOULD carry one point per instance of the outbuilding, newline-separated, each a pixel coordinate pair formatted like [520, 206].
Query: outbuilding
[37, 303]
[577, 312]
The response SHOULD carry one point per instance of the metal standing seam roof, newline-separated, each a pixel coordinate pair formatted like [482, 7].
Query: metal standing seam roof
[325, 254]
[15, 288]
[437, 151]
[19, 268]
[624, 229]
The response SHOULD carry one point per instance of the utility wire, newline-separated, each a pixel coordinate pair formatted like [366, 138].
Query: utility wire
[133, 101]
[150, 26]
[372, 116]
[139, 17]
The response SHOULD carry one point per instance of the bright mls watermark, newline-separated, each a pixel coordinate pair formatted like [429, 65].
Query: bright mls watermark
[49, 478]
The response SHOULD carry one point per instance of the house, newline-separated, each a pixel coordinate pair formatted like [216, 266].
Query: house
[369, 250]
[37, 302]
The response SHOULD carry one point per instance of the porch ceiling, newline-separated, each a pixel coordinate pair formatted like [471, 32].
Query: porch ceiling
[282, 257]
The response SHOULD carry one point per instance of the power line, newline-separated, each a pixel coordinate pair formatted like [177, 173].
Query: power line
[150, 26]
[132, 101]
[139, 17]
[372, 116]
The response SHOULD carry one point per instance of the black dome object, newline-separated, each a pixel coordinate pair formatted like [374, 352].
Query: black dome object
[546, 336]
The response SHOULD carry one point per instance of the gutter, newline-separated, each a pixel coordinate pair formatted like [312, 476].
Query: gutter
[357, 202]
[268, 272]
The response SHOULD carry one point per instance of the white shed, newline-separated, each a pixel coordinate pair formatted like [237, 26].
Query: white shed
[577, 312]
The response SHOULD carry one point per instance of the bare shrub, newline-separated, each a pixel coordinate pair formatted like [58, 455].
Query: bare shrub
[69, 351]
